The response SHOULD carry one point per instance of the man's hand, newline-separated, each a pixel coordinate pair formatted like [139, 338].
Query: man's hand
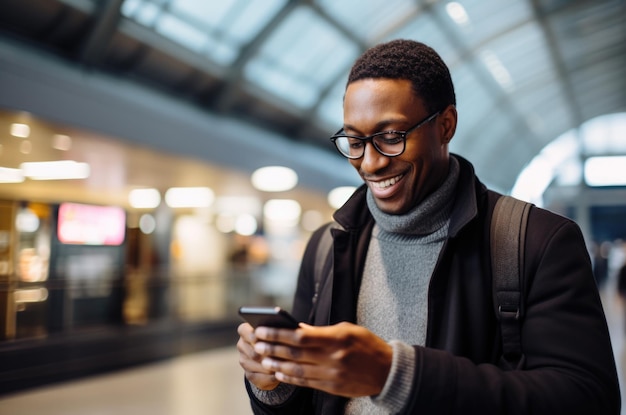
[343, 359]
[250, 360]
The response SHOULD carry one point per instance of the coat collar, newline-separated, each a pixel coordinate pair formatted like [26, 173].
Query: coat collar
[354, 214]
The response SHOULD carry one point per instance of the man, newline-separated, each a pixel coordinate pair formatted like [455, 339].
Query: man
[407, 323]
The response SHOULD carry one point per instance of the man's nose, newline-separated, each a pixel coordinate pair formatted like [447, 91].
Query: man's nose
[372, 159]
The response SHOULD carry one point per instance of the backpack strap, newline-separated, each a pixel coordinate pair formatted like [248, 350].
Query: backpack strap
[508, 232]
[323, 264]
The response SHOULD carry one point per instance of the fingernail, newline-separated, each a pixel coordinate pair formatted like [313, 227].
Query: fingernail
[267, 363]
[260, 348]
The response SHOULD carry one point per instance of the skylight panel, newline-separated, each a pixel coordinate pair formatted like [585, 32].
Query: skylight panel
[216, 29]
[143, 11]
[367, 21]
[524, 54]
[485, 19]
[296, 64]
[208, 12]
[181, 32]
[250, 19]
[473, 101]
[330, 110]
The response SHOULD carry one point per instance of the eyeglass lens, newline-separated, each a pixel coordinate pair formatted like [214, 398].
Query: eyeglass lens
[388, 144]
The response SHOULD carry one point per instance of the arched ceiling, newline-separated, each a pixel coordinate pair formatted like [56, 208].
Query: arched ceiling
[525, 71]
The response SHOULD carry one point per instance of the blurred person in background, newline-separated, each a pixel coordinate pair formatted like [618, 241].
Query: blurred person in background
[406, 322]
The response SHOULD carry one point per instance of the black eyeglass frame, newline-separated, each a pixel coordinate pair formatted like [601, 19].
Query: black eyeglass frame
[402, 134]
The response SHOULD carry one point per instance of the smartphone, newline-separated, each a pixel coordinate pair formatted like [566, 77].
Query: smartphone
[268, 316]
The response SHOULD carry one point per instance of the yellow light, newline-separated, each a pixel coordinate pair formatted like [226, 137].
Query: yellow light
[339, 195]
[144, 198]
[8, 175]
[61, 142]
[20, 130]
[30, 295]
[245, 225]
[55, 170]
[274, 179]
[189, 197]
[282, 211]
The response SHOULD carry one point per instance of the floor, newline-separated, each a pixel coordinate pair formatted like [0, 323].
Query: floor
[207, 383]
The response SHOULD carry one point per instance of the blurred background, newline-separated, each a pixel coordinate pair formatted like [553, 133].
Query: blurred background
[163, 162]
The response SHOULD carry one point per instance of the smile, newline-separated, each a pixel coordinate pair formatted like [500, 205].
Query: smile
[383, 184]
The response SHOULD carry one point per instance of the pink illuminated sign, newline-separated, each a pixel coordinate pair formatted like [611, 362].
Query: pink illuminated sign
[91, 225]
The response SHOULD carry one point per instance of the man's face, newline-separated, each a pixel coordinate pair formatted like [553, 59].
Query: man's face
[397, 183]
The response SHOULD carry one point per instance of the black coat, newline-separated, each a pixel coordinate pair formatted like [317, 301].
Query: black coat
[569, 366]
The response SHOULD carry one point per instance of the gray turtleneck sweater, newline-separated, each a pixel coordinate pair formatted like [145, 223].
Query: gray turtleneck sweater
[393, 299]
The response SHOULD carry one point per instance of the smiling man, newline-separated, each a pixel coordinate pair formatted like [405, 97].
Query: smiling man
[405, 322]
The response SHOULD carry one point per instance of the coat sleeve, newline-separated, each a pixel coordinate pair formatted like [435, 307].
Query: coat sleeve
[569, 365]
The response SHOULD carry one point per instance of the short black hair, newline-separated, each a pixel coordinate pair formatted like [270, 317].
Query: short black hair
[413, 61]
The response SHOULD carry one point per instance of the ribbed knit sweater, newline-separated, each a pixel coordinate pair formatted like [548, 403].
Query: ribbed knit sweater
[393, 298]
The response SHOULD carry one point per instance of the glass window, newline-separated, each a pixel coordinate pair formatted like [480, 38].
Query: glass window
[217, 29]
[296, 64]
[368, 23]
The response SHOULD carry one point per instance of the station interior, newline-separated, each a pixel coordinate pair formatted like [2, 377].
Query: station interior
[163, 162]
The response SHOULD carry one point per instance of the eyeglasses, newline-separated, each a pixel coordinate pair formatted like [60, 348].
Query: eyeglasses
[388, 143]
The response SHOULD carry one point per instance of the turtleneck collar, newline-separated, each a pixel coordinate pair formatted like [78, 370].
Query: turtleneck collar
[427, 217]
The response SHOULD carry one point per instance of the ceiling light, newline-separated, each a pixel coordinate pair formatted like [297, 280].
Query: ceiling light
[8, 175]
[282, 210]
[497, 69]
[339, 195]
[245, 225]
[20, 130]
[274, 179]
[144, 198]
[605, 171]
[61, 142]
[55, 170]
[189, 197]
[457, 13]
[236, 205]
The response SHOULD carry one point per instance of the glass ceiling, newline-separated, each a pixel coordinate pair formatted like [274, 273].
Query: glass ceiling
[296, 65]
[510, 65]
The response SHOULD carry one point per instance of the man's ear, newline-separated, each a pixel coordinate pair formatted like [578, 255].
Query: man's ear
[447, 123]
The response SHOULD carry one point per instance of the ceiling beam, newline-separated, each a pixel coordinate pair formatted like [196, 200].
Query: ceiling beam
[559, 65]
[232, 81]
[106, 19]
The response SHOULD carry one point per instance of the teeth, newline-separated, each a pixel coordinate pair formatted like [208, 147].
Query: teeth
[386, 183]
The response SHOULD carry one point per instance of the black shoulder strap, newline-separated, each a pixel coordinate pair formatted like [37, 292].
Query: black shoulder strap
[323, 263]
[508, 232]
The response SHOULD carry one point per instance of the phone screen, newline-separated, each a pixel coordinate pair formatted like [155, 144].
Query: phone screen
[268, 316]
